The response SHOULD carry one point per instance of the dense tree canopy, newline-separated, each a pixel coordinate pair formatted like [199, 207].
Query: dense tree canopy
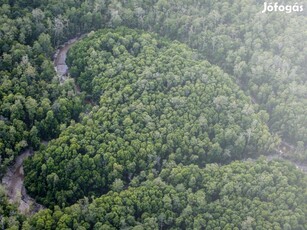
[155, 113]
[242, 195]
[265, 53]
[32, 102]
[157, 102]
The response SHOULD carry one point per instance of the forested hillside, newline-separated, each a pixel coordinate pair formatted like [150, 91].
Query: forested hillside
[265, 53]
[160, 99]
[157, 103]
[236, 196]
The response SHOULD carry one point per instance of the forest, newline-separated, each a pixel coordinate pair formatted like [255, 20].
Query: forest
[173, 115]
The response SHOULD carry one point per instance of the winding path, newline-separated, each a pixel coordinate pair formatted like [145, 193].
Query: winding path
[13, 182]
[59, 59]
[59, 62]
